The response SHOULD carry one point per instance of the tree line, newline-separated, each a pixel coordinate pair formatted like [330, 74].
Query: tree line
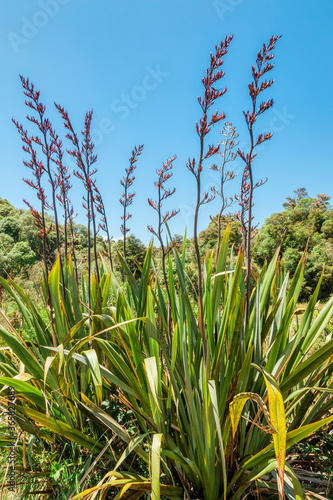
[304, 222]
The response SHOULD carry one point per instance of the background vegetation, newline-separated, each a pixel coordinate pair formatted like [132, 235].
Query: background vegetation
[304, 222]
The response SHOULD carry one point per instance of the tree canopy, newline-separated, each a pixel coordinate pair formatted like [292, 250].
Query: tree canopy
[304, 222]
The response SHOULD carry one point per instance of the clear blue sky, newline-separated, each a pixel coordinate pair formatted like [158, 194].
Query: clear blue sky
[94, 54]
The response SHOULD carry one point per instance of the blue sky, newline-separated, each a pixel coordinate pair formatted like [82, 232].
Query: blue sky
[139, 65]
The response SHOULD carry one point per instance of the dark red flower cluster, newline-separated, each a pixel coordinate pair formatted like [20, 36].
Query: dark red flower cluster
[84, 156]
[46, 142]
[262, 66]
[62, 175]
[100, 208]
[213, 75]
[211, 94]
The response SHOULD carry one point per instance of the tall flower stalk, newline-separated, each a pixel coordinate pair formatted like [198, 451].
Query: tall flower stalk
[85, 159]
[227, 153]
[46, 143]
[63, 180]
[211, 94]
[163, 175]
[126, 198]
[90, 159]
[262, 66]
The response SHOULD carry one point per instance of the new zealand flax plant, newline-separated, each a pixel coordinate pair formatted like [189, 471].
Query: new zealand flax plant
[204, 432]
[213, 418]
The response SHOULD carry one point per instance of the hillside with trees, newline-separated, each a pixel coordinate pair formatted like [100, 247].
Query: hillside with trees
[21, 248]
[305, 222]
